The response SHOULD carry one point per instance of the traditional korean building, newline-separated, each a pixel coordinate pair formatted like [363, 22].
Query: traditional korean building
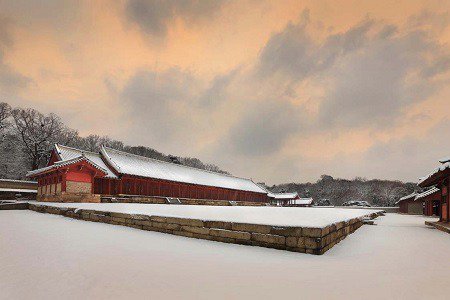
[282, 199]
[408, 205]
[74, 175]
[430, 199]
[440, 178]
[301, 202]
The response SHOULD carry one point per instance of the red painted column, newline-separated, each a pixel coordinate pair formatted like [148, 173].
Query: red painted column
[63, 183]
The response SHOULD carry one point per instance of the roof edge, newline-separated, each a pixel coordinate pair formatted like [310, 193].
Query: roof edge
[61, 163]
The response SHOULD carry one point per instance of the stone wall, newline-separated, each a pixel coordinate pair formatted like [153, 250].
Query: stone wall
[394, 209]
[78, 187]
[14, 206]
[70, 197]
[297, 239]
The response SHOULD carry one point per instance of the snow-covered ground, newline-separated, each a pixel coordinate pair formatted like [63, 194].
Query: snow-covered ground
[45, 256]
[279, 216]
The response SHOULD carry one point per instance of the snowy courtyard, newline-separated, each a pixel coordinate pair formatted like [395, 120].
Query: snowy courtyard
[277, 216]
[45, 256]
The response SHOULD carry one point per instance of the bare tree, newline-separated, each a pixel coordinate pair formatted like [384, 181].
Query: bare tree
[5, 113]
[36, 133]
[68, 137]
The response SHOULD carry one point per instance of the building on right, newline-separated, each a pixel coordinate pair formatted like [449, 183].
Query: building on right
[430, 199]
[440, 179]
[408, 205]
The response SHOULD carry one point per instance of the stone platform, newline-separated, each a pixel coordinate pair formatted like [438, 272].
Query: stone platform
[303, 239]
[442, 226]
[13, 205]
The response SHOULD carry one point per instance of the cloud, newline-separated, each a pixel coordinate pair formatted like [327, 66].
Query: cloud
[409, 157]
[155, 16]
[369, 73]
[58, 15]
[373, 86]
[10, 80]
[296, 54]
[217, 92]
[155, 103]
[263, 128]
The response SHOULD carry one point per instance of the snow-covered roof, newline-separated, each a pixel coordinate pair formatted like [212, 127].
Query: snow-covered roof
[67, 153]
[131, 164]
[410, 196]
[63, 163]
[444, 160]
[283, 196]
[427, 193]
[302, 201]
[442, 167]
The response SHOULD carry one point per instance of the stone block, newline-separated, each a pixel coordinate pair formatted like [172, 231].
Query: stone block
[183, 233]
[332, 228]
[104, 219]
[162, 230]
[240, 235]
[95, 217]
[158, 219]
[292, 241]
[286, 231]
[251, 228]
[326, 230]
[269, 238]
[218, 224]
[301, 242]
[166, 226]
[340, 225]
[312, 232]
[185, 222]
[312, 243]
[119, 215]
[197, 230]
[201, 236]
[143, 222]
[118, 220]
[140, 217]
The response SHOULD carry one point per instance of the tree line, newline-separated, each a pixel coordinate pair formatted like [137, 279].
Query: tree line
[337, 191]
[27, 136]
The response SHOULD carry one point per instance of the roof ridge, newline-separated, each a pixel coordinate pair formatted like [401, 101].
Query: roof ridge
[180, 165]
[81, 150]
[81, 157]
[444, 160]
[65, 162]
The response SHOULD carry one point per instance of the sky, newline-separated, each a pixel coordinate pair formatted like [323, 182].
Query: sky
[277, 91]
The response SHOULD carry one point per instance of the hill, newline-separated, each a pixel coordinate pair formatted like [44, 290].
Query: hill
[337, 191]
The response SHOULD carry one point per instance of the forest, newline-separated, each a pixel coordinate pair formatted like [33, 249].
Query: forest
[337, 191]
[27, 136]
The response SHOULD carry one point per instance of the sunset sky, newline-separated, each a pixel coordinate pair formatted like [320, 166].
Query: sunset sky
[277, 91]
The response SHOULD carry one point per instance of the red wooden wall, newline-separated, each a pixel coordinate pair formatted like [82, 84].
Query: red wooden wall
[154, 187]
